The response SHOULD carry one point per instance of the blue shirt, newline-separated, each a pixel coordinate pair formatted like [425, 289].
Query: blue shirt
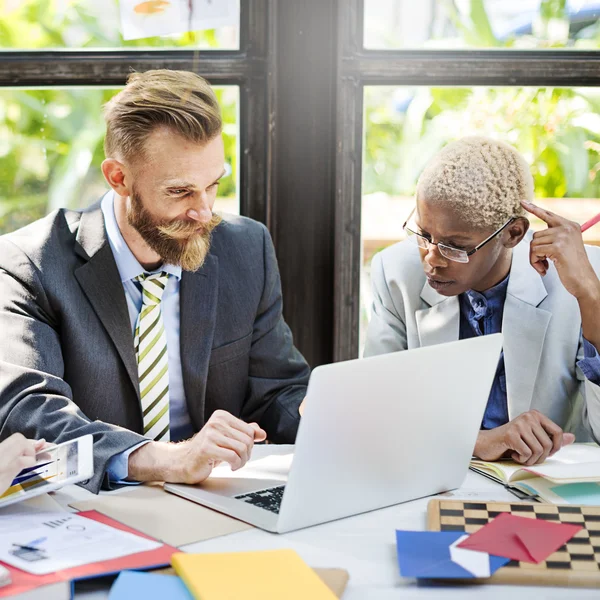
[129, 268]
[481, 313]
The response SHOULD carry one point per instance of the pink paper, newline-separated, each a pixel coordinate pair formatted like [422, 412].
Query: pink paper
[521, 538]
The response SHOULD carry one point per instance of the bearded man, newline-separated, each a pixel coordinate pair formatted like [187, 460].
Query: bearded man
[147, 319]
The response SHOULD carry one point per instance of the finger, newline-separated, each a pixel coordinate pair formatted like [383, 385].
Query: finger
[551, 219]
[260, 435]
[228, 443]
[545, 234]
[17, 445]
[236, 434]
[222, 416]
[545, 251]
[544, 440]
[568, 438]
[233, 459]
[555, 433]
[522, 452]
[540, 264]
[536, 448]
[40, 444]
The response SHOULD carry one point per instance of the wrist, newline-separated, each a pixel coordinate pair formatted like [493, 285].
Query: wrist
[589, 293]
[155, 461]
[487, 446]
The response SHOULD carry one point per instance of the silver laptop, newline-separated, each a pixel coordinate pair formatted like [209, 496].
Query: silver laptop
[375, 432]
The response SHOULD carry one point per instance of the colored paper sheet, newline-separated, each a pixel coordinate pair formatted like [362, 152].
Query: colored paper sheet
[261, 575]
[579, 493]
[437, 555]
[149, 18]
[521, 538]
[134, 584]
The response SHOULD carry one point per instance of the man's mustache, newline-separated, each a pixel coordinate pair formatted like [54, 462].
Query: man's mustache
[185, 229]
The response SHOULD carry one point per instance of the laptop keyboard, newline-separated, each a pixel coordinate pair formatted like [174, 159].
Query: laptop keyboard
[269, 499]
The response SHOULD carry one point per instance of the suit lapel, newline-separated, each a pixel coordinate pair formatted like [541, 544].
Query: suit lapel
[441, 322]
[101, 283]
[198, 310]
[524, 327]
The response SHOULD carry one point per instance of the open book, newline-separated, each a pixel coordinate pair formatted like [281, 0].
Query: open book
[571, 476]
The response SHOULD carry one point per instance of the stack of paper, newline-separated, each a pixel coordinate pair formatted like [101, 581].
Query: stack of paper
[457, 555]
[571, 476]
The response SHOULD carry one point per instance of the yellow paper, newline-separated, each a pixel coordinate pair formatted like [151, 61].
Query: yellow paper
[264, 575]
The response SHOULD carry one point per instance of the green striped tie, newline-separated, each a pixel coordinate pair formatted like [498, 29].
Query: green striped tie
[151, 352]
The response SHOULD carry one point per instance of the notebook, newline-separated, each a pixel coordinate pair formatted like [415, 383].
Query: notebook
[261, 575]
[571, 476]
[150, 586]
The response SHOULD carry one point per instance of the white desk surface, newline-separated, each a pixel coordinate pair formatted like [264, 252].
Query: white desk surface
[364, 545]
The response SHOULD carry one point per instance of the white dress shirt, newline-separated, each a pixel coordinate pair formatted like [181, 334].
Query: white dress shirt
[129, 268]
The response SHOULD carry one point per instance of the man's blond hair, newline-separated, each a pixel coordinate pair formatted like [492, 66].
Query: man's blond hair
[482, 178]
[179, 100]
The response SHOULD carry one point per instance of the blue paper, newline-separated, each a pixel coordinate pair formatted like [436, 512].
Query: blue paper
[579, 493]
[149, 586]
[427, 555]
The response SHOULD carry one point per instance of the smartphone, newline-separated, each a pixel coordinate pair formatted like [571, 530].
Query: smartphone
[63, 464]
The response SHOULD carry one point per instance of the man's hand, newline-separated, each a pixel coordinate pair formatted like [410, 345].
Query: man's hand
[16, 453]
[224, 438]
[562, 243]
[529, 439]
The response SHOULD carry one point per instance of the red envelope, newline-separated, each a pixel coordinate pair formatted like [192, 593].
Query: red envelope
[521, 538]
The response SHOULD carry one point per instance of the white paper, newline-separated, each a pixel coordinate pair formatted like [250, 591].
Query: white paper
[276, 466]
[477, 563]
[149, 18]
[576, 462]
[63, 540]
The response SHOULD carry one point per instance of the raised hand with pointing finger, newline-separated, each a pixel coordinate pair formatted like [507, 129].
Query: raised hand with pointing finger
[562, 244]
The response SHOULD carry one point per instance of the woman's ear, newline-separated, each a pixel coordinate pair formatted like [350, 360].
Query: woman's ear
[515, 232]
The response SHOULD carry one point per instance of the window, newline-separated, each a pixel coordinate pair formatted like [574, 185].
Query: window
[556, 129]
[62, 59]
[76, 24]
[52, 148]
[453, 24]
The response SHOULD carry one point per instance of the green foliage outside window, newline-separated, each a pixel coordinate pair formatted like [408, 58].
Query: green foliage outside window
[51, 140]
[557, 130]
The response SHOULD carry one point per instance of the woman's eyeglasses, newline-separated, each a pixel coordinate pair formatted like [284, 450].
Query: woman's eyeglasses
[449, 252]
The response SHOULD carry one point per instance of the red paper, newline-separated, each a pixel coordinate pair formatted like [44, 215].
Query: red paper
[22, 581]
[521, 538]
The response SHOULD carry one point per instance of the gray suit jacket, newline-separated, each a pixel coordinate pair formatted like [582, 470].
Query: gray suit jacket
[67, 361]
[541, 327]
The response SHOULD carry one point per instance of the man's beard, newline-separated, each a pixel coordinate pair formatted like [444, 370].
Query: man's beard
[183, 243]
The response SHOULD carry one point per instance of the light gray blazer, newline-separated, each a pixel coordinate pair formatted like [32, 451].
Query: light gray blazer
[541, 328]
[67, 360]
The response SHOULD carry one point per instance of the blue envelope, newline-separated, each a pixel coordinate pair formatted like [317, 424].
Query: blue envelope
[435, 555]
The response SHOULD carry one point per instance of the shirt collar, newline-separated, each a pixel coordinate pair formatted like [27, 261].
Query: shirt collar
[492, 298]
[127, 263]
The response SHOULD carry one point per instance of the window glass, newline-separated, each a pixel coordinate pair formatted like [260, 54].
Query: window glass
[445, 24]
[89, 24]
[51, 149]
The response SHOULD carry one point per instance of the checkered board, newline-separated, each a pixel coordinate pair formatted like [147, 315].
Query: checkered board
[577, 563]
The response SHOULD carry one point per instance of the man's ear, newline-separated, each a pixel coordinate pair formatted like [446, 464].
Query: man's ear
[117, 176]
[515, 232]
